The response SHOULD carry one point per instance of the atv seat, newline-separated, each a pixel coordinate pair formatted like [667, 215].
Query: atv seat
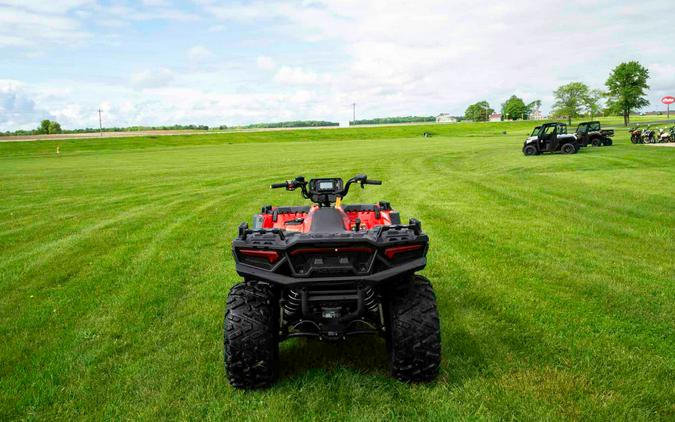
[327, 220]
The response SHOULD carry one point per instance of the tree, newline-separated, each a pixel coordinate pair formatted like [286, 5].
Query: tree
[54, 127]
[570, 100]
[47, 127]
[592, 102]
[626, 87]
[479, 112]
[43, 129]
[514, 108]
[532, 107]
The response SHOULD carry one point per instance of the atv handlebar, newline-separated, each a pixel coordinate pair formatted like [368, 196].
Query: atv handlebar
[362, 179]
[320, 196]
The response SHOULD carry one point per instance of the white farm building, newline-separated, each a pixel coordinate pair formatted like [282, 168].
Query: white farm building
[445, 118]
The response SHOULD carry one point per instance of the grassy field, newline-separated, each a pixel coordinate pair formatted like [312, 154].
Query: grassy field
[554, 276]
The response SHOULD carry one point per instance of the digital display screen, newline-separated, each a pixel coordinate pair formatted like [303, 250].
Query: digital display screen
[328, 185]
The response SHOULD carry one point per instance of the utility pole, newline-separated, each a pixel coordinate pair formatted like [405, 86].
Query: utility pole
[100, 123]
[354, 113]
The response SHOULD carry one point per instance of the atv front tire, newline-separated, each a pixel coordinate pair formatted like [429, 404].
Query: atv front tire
[607, 142]
[251, 335]
[414, 332]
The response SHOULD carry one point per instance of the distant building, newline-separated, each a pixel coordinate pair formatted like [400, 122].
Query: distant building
[537, 115]
[445, 118]
[496, 117]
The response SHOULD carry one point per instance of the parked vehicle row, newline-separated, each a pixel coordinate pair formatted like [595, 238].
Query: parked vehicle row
[651, 136]
[553, 137]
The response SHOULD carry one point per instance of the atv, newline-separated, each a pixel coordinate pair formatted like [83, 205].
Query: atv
[330, 271]
[590, 133]
[551, 137]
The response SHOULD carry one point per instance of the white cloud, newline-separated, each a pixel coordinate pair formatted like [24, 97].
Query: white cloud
[46, 7]
[199, 53]
[437, 55]
[25, 27]
[266, 63]
[155, 3]
[299, 76]
[18, 109]
[152, 78]
[662, 76]
[39, 24]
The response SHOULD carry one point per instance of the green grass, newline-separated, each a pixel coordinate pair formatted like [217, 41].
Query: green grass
[554, 276]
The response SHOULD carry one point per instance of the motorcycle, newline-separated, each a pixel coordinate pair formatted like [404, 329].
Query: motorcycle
[664, 136]
[636, 134]
[672, 133]
[648, 136]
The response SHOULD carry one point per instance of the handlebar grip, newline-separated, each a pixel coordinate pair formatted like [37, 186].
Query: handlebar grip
[278, 185]
[373, 182]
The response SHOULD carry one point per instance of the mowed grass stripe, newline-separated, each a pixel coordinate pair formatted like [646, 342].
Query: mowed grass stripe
[134, 293]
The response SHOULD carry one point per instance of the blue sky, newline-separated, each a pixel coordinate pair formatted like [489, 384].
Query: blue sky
[156, 62]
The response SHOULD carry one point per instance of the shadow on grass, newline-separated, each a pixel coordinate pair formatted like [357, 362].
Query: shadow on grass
[363, 354]
[478, 335]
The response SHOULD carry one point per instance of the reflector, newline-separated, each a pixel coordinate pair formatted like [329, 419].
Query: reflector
[272, 256]
[392, 252]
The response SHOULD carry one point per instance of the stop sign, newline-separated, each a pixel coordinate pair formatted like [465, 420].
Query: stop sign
[668, 99]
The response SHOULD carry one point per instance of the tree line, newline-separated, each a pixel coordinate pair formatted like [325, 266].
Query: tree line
[625, 92]
[390, 120]
[514, 109]
[293, 123]
[49, 127]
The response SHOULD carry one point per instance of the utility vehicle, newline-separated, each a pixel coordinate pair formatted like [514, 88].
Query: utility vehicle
[591, 133]
[330, 271]
[550, 137]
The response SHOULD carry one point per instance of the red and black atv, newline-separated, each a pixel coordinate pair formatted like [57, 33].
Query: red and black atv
[330, 271]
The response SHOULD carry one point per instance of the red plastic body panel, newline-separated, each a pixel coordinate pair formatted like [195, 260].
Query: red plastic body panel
[368, 220]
